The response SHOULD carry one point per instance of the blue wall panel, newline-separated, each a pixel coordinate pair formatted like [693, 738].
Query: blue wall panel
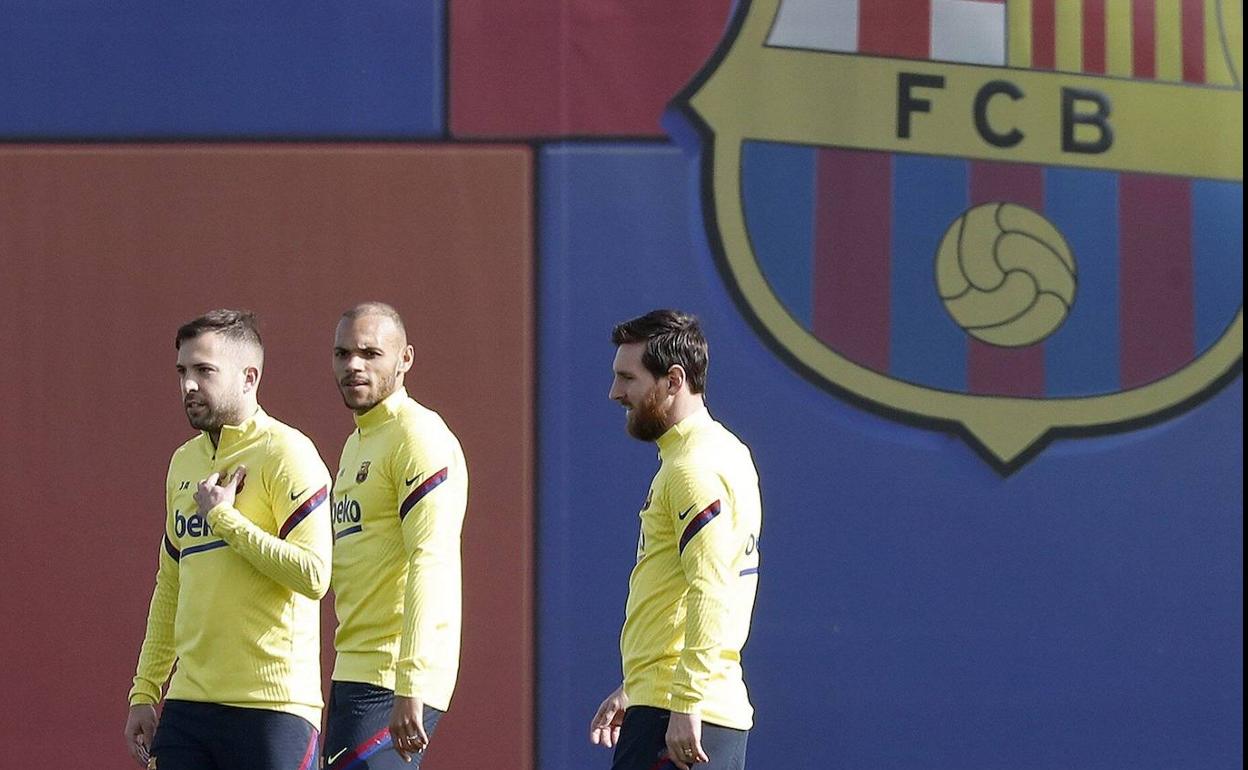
[916, 609]
[133, 69]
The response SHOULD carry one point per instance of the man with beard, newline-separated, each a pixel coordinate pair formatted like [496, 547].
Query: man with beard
[691, 594]
[244, 562]
[399, 502]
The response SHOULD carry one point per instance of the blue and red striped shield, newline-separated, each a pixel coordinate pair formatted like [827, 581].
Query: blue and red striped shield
[1015, 218]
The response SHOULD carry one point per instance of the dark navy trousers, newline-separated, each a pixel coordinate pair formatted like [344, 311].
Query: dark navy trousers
[209, 736]
[357, 729]
[643, 743]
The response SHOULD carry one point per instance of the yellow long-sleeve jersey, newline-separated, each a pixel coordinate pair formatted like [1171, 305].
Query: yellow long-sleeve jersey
[399, 501]
[237, 591]
[692, 590]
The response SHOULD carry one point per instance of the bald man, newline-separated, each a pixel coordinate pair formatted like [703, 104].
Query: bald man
[243, 564]
[398, 508]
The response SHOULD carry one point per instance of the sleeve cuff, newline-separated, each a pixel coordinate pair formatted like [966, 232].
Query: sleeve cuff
[683, 705]
[223, 516]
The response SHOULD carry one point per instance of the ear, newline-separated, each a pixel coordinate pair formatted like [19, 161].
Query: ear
[251, 378]
[406, 359]
[675, 379]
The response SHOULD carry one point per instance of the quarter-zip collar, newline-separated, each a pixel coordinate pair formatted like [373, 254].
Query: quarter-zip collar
[384, 411]
[245, 431]
[676, 435]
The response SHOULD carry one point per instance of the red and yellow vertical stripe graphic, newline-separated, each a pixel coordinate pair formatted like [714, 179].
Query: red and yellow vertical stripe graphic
[1171, 40]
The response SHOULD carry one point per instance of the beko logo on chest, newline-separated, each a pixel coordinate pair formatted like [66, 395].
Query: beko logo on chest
[194, 525]
[347, 511]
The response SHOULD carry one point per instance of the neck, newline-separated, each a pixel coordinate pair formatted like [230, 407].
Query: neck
[250, 409]
[684, 405]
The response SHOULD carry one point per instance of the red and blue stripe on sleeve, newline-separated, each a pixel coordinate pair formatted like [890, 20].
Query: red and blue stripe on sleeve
[302, 512]
[419, 493]
[696, 524]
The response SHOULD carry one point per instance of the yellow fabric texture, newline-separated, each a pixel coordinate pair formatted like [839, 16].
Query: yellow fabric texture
[691, 593]
[237, 597]
[399, 502]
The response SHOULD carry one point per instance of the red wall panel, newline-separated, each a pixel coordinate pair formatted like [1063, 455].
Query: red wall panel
[557, 68]
[105, 250]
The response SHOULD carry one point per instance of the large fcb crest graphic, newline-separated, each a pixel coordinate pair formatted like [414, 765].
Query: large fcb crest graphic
[1020, 219]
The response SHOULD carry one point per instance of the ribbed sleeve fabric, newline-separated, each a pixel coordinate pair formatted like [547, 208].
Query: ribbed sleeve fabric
[299, 566]
[157, 655]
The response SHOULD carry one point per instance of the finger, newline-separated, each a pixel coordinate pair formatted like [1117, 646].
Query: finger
[676, 761]
[698, 754]
[604, 714]
[211, 481]
[614, 734]
[421, 735]
[239, 475]
[599, 723]
[397, 740]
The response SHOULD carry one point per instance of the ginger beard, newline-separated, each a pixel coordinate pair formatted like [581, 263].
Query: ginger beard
[649, 419]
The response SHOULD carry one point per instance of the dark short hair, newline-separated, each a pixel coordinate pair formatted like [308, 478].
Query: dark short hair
[672, 337]
[237, 325]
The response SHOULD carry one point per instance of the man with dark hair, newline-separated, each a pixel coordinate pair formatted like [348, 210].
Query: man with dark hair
[399, 502]
[243, 564]
[691, 594]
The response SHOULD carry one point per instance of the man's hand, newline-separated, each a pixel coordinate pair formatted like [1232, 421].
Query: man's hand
[215, 490]
[604, 728]
[140, 729]
[407, 727]
[684, 740]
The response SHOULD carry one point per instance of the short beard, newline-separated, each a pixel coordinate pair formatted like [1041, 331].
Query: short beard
[649, 419]
[386, 386]
[216, 417]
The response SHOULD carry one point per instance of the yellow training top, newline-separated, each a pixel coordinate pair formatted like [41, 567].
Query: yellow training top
[399, 503]
[237, 594]
[692, 590]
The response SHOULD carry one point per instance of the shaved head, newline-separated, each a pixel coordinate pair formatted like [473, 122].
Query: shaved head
[372, 308]
[371, 355]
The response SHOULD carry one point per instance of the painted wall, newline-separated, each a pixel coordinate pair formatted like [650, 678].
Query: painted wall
[499, 170]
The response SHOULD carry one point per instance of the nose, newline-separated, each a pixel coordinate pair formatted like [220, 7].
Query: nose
[189, 386]
[617, 392]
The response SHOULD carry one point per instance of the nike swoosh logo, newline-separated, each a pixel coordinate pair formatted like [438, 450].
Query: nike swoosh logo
[412, 480]
[686, 513]
[297, 495]
[334, 758]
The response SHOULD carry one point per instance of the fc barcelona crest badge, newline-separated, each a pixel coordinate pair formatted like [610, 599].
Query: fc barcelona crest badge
[1017, 219]
[362, 474]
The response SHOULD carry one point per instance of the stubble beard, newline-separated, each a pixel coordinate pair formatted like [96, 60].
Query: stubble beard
[386, 385]
[216, 416]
